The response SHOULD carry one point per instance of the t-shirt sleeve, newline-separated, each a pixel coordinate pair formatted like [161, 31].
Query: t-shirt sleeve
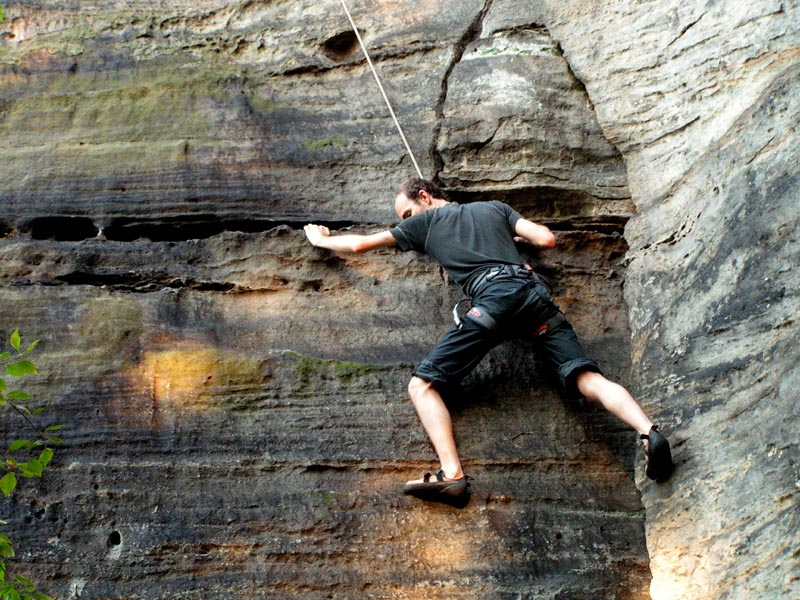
[412, 233]
[511, 215]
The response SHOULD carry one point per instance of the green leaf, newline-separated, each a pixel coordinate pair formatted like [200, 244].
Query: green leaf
[3, 385]
[22, 580]
[18, 395]
[15, 340]
[31, 468]
[6, 550]
[54, 440]
[54, 428]
[8, 483]
[31, 346]
[46, 456]
[18, 445]
[38, 411]
[28, 367]
[5, 355]
[21, 368]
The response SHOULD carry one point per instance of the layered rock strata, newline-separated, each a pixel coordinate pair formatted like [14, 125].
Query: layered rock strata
[235, 399]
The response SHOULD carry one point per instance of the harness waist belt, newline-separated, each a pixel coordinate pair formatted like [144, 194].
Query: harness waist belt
[522, 271]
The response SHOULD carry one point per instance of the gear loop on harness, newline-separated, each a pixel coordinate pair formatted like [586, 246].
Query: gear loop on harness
[456, 316]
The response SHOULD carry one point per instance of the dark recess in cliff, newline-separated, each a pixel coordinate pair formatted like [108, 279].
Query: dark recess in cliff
[166, 229]
[64, 229]
[340, 46]
[561, 209]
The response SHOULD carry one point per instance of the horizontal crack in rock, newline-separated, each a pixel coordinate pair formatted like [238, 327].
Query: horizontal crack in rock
[180, 229]
[135, 282]
[169, 229]
[560, 209]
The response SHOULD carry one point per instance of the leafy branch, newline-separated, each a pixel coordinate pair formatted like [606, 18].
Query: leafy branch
[24, 457]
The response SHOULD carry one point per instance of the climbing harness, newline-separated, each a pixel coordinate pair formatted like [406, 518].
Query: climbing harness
[380, 87]
[481, 316]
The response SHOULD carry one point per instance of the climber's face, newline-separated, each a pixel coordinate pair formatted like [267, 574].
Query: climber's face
[405, 207]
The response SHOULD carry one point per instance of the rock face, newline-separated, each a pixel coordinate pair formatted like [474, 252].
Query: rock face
[703, 104]
[237, 420]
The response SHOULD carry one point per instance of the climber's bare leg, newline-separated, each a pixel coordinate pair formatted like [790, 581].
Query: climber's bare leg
[614, 398]
[438, 425]
[619, 402]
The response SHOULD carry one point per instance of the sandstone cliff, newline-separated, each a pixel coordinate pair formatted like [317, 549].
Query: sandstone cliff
[235, 399]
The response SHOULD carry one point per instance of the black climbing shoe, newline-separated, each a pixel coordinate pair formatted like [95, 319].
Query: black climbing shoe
[659, 458]
[453, 491]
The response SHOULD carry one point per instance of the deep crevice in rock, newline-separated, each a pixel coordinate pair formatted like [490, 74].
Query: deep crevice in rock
[183, 228]
[469, 35]
[62, 229]
[560, 209]
[131, 281]
[167, 229]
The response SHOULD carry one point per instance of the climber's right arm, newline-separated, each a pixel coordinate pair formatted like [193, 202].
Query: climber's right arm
[538, 235]
[320, 236]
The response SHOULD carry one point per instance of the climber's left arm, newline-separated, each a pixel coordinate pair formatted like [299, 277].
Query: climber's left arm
[320, 236]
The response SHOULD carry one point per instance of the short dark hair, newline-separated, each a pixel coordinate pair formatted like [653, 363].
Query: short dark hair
[412, 187]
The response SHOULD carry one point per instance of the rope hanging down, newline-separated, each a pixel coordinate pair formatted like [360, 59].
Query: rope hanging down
[380, 86]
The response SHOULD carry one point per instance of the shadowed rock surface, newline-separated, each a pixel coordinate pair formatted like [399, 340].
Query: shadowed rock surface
[701, 99]
[237, 420]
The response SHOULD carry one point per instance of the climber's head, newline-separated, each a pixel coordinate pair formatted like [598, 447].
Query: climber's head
[417, 195]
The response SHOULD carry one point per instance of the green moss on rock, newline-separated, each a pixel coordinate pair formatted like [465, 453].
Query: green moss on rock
[309, 369]
[333, 140]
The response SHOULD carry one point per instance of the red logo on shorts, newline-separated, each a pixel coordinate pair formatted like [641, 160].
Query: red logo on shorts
[475, 313]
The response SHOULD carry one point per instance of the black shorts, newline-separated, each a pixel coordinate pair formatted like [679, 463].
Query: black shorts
[521, 307]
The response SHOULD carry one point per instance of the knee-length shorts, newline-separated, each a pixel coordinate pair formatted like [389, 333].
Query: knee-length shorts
[521, 308]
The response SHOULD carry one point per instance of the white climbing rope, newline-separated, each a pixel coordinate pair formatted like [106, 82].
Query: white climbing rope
[380, 86]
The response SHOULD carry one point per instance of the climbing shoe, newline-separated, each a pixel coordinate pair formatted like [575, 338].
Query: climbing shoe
[659, 457]
[449, 491]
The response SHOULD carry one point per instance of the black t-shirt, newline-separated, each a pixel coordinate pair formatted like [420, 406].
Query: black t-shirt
[464, 238]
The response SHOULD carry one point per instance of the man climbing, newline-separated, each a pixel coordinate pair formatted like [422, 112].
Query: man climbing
[475, 243]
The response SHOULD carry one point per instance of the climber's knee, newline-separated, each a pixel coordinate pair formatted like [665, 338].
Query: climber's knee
[590, 384]
[417, 387]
